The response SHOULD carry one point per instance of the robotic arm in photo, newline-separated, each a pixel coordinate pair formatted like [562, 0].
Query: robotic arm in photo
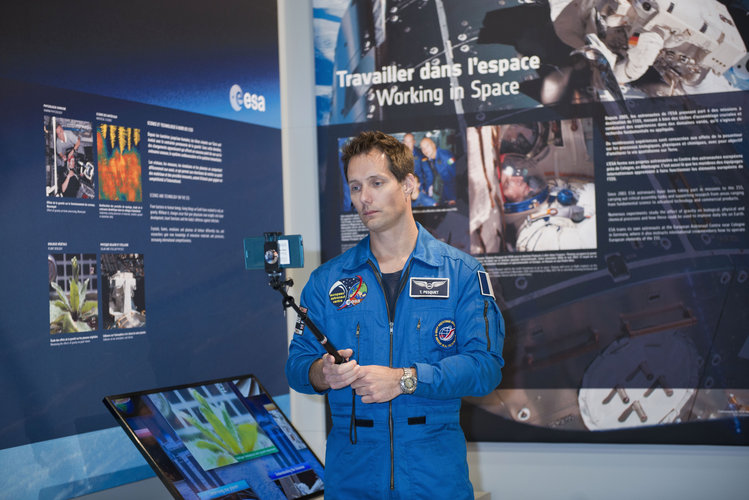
[692, 45]
[595, 24]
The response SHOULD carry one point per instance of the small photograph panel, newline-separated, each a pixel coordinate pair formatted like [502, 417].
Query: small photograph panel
[118, 149]
[69, 147]
[123, 291]
[73, 293]
[439, 175]
[532, 187]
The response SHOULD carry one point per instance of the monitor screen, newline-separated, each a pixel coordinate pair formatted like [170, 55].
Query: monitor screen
[219, 439]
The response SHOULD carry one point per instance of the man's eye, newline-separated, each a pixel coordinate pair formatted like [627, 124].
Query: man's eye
[354, 188]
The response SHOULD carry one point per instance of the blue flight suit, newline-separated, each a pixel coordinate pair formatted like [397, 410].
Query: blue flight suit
[423, 200]
[418, 155]
[422, 171]
[444, 166]
[447, 324]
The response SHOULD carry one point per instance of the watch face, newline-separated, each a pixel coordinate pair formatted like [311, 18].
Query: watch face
[409, 383]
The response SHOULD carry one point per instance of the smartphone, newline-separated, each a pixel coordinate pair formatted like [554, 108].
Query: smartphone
[274, 251]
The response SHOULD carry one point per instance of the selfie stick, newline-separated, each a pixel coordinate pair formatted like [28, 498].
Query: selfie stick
[288, 301]
[272, 264]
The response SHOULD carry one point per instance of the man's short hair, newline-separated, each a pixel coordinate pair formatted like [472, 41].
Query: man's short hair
[427, 140]
[400, 159]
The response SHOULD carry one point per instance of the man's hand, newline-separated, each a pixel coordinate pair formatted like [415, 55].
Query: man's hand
[378, 384]
[325, 374]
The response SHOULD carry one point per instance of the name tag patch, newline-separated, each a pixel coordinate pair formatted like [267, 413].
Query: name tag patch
[430, 288]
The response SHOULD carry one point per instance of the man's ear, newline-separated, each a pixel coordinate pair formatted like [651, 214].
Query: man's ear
[409, 184]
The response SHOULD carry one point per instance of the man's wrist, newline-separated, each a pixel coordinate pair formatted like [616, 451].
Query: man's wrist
[408, 381]
[316, 377]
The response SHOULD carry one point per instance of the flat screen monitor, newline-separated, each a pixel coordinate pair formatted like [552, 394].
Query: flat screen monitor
[219, 439]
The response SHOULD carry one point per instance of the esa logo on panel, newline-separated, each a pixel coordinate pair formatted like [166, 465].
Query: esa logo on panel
[247, 100]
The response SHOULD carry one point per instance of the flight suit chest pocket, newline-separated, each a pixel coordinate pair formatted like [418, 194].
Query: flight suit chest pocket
[438, 337]
[355, 330]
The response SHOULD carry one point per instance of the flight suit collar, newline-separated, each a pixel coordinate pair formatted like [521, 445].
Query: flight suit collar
[361, 253]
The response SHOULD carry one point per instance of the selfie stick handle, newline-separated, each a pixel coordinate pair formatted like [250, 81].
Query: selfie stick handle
[288, 301]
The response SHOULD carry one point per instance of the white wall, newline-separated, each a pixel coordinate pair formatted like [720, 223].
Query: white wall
[301, 206]
[519, 470]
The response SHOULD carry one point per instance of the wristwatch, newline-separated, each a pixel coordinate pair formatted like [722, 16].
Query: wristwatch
[408, 381]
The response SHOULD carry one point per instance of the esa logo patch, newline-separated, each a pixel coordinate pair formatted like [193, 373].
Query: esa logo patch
[347, 292]
[444, 333]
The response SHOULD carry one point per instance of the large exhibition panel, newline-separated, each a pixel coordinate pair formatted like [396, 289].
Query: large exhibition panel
[592, 155]
[140, 144]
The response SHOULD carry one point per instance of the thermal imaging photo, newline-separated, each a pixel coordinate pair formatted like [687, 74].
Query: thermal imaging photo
[118, 151]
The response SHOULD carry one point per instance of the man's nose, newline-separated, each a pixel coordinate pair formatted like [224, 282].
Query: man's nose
[365, 194]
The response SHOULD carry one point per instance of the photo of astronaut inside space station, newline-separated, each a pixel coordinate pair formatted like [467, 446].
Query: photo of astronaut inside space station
[531, 187]
[69, 158]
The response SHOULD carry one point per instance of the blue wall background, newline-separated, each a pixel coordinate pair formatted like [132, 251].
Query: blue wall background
[138, 63]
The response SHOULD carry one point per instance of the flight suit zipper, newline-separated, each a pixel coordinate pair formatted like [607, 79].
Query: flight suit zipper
[391, 326]
[390, 418]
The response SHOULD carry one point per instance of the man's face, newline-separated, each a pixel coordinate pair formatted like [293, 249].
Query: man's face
[514, 188]
[60, 133]
[428, 148]
[381, 201]
[408, 140]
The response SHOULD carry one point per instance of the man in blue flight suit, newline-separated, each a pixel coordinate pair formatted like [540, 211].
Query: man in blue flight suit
[417, 321]
[437, 172]
[419, 198]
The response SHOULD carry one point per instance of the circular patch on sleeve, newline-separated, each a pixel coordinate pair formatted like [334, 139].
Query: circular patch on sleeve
[444, 333]
[347, 292]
